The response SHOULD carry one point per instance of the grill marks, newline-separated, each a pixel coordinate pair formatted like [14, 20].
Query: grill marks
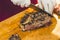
[35, 20]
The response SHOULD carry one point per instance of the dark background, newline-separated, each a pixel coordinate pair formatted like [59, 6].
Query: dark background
[7, 9]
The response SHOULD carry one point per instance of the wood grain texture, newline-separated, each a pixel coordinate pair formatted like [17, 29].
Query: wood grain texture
[11, 26]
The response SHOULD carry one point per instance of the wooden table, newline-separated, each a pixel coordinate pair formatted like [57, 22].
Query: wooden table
[11, 26]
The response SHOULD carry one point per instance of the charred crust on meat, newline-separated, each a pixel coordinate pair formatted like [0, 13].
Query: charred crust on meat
[24, 18]
[37, 19]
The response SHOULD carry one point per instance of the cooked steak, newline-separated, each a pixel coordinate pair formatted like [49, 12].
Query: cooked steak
[35, 20]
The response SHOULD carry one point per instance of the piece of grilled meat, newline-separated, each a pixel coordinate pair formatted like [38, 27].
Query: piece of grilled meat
[35, 20]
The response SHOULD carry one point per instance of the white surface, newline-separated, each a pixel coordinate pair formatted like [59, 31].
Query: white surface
[58, 1]
[47, 4]
[56, 30]
[22, 3]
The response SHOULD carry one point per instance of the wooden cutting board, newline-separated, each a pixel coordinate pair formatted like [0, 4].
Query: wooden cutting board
[10, 26]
